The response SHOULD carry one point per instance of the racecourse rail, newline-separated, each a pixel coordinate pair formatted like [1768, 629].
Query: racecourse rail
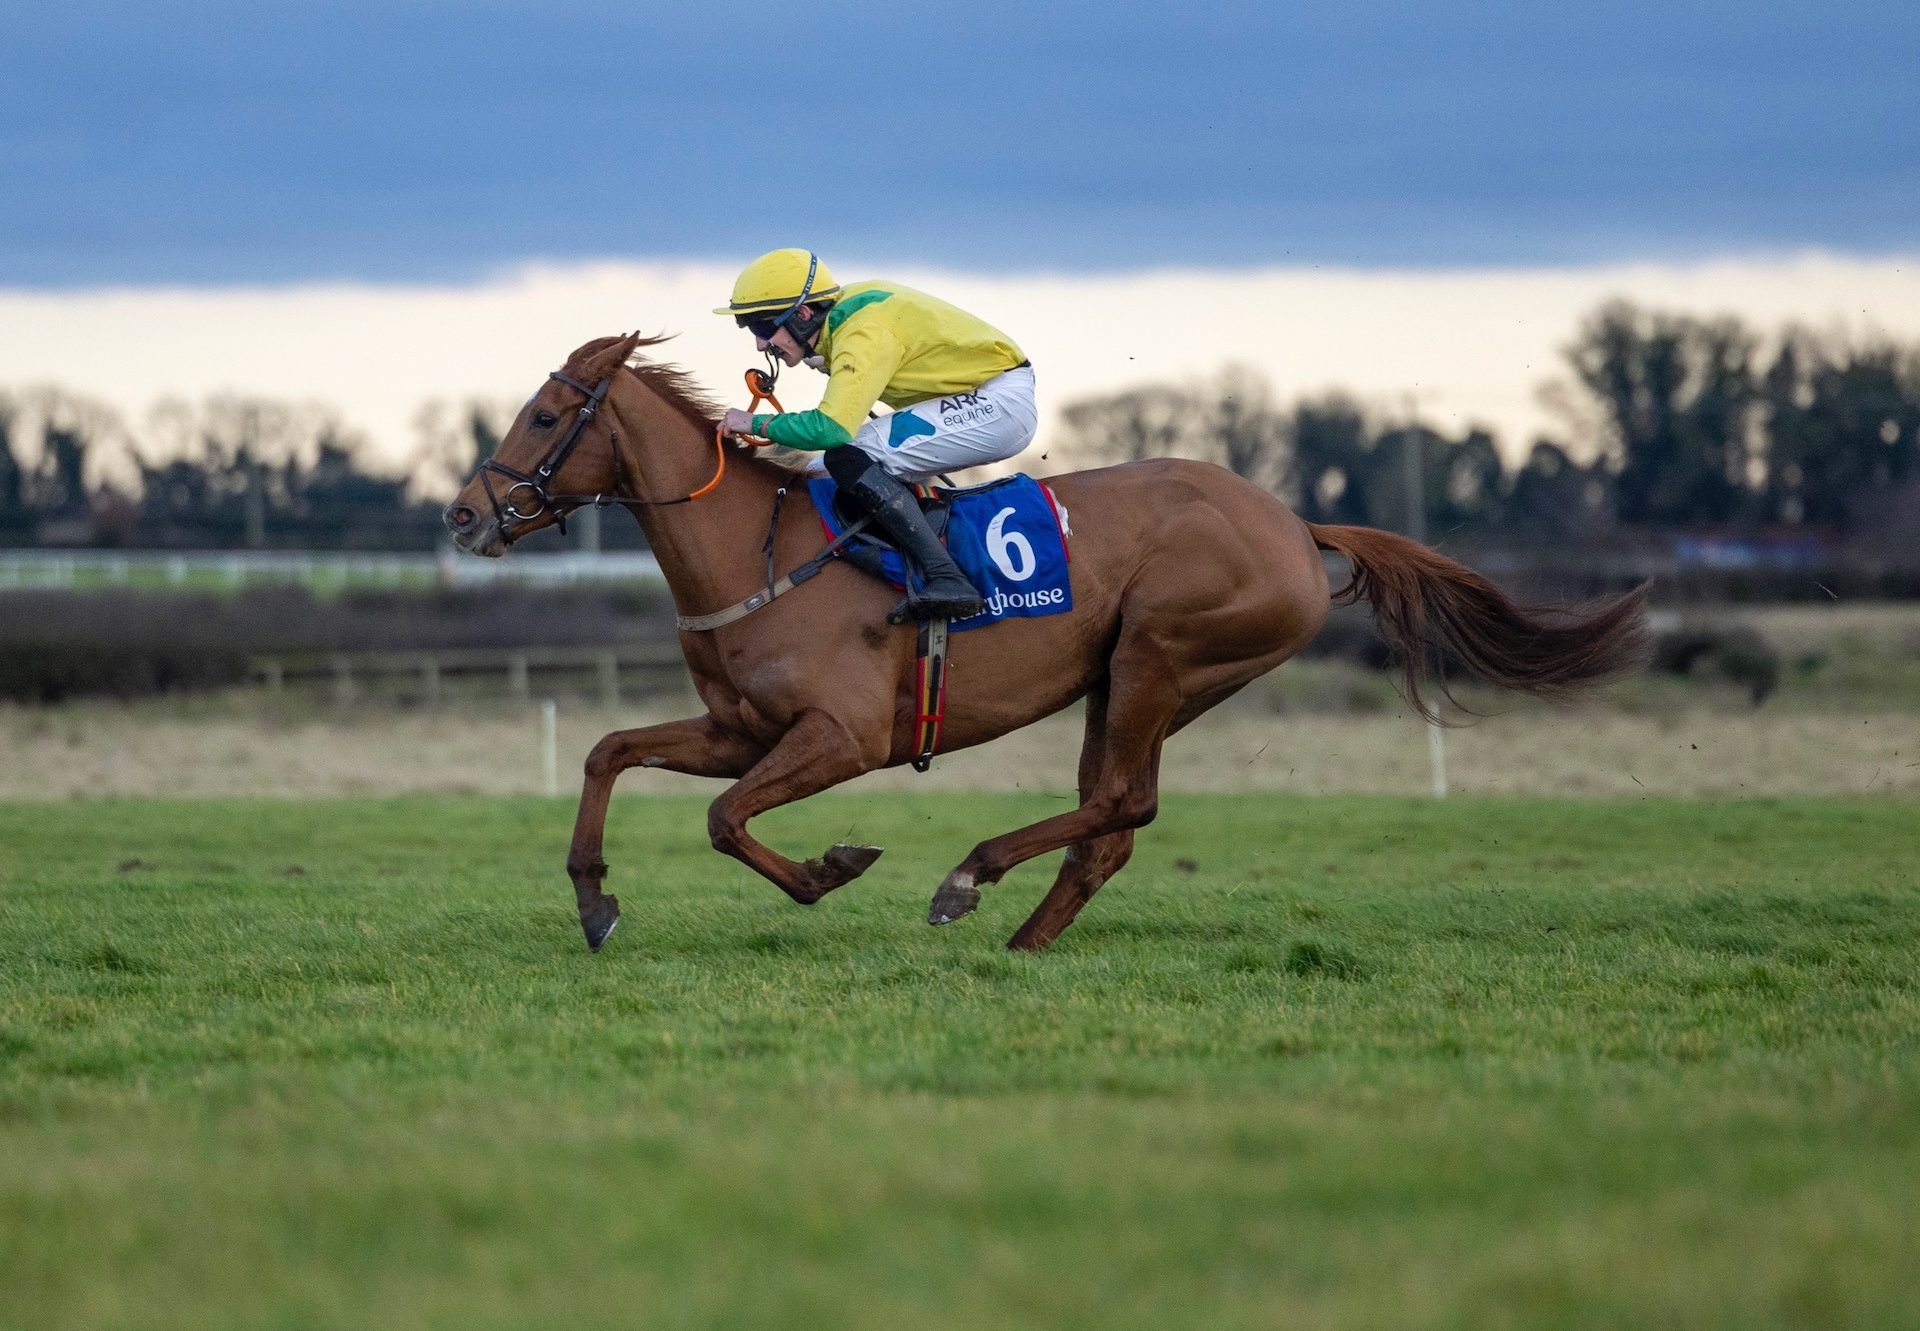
[422, 674]
[61, 570]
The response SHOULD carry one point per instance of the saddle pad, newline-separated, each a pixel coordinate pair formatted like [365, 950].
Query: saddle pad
[1005, 535]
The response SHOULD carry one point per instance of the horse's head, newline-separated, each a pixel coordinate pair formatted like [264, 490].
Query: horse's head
[559, 452]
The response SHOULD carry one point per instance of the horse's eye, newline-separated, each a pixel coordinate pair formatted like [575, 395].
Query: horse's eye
[544, 419]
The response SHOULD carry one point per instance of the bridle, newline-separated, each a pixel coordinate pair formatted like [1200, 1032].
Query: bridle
[544, 500]
[760, 385]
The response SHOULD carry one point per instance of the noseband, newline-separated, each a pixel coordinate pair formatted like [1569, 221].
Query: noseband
[544, 500]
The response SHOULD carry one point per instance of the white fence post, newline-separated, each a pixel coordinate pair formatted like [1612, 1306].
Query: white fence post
[550, 747]
[1437, 757]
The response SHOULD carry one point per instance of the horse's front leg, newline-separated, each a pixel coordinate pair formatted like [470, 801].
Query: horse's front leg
[818, 752]
[697, 747]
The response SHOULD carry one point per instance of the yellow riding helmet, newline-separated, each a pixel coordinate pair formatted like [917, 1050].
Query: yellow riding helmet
[780, 281]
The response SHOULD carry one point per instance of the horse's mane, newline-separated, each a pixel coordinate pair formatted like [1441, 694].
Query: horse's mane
[675, 386]
[678, 387]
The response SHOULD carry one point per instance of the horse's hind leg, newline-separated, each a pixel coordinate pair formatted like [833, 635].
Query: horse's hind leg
[1089, 864]
[697, 747]
[1122, 793]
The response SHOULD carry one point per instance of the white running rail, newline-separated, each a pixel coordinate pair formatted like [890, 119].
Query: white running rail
[213, 570]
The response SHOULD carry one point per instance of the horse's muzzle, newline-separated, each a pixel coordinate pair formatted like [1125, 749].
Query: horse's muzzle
[473, 533]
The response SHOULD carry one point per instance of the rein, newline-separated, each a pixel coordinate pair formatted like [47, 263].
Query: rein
[561, 505]
[760, 384]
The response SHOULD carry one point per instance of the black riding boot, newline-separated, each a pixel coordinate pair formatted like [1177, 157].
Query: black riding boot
[947, 594]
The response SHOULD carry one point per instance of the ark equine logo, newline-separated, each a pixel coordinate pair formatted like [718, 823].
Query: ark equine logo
[966, 409]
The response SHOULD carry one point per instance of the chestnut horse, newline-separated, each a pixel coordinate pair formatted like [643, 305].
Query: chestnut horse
[1188, 583]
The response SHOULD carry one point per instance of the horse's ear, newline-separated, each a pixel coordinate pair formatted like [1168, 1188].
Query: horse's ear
[618, 352]
[602, 357]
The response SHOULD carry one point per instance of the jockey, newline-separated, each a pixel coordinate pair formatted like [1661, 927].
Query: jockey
[961, 391]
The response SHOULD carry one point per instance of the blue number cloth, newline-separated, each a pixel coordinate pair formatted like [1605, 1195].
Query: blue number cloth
[1007, 537]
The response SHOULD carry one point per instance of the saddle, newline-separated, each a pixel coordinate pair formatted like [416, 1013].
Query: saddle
[1009, 535]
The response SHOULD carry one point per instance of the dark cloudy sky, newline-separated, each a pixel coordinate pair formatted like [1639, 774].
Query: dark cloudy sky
[225, 142]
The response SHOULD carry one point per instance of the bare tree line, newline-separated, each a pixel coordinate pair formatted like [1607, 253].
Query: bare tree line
[1689, 423]
[1683, 423]
[230, 471]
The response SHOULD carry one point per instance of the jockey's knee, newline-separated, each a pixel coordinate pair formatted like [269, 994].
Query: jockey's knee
[847, 464]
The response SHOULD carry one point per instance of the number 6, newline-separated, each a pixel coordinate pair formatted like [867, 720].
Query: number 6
[1009, 549]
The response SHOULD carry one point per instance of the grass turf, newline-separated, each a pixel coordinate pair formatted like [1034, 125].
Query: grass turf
[1318, 1063]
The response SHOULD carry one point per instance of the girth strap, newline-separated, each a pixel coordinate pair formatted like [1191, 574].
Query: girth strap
[775, 589]
[701, 623]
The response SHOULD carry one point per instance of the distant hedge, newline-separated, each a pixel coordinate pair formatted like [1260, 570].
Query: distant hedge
[48, 672]
[121, 644]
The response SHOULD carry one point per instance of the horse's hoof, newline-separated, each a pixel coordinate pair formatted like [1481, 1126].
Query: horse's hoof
[851, 861]
[838, 867]
[957, 897]
[597, 920]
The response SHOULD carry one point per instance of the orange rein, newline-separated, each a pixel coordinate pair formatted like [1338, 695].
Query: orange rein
[760, 385]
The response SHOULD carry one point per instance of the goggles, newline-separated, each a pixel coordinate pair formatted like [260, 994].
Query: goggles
[764, 326]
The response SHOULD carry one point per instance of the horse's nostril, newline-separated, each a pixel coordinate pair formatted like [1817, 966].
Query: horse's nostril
[460, 517]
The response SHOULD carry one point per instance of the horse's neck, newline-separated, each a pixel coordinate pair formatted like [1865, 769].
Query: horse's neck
[709, 549]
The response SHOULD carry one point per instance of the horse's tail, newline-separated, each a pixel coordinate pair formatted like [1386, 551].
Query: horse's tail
[1429, 607]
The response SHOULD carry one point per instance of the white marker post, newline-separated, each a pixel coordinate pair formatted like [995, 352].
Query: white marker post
[1437, 755]
[550, 747]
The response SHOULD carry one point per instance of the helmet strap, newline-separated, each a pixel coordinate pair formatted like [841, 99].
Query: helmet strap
[807, 331]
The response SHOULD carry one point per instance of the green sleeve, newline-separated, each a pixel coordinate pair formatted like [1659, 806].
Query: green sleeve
[802, 429]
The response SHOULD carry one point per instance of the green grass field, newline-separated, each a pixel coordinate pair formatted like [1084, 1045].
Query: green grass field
[1308, 1063]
